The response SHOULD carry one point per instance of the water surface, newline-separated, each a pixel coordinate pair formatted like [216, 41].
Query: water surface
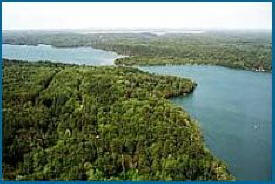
[79, 55]
[234, 110]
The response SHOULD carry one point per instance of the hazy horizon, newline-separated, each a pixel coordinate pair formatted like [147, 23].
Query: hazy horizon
[139, 29]
[140, 15]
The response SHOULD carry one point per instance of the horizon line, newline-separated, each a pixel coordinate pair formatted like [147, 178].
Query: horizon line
[139, 29]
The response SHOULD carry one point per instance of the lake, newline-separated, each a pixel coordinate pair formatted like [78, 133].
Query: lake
[234, 110]
[233, 107]
[79, 55]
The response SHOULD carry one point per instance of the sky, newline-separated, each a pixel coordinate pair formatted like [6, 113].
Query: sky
[75, 15]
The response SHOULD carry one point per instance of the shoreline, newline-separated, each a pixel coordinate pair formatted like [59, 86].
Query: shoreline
[189, 123]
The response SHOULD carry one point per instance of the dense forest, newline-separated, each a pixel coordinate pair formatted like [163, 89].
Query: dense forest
[70, 122]
[248, 50]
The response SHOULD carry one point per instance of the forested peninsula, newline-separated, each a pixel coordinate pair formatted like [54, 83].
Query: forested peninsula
[247, 50]
[72, 122]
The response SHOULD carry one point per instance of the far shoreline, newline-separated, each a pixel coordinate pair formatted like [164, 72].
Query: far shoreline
[129, 57]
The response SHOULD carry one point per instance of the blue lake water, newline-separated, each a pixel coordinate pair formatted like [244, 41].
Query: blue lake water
[79, 55]
[234, 110]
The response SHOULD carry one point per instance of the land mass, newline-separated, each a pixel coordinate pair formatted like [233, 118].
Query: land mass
[247, 50]
[71, 122]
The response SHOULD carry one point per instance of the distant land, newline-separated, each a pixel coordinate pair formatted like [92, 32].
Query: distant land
[239, 49]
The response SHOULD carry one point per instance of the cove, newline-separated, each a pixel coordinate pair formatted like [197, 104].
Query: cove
[234, 111]
[78, 55]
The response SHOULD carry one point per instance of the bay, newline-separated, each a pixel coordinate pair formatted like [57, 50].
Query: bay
[77, 55]
[234, 111]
